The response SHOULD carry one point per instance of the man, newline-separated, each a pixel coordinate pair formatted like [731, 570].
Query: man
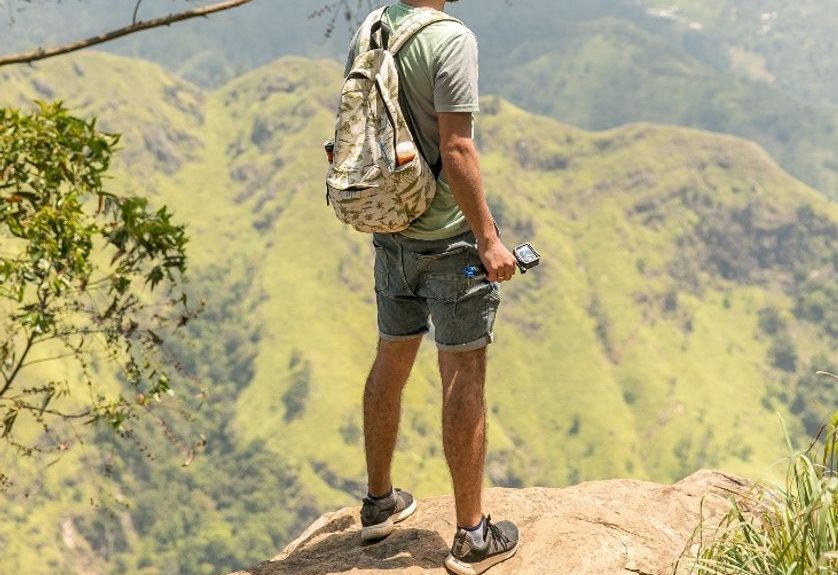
[435, 268]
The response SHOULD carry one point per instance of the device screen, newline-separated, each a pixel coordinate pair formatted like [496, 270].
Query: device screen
[527, 254]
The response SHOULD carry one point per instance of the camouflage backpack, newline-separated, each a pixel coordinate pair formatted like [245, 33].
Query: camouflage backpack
[366, 185]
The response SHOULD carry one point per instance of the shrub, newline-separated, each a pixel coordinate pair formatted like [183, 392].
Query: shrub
[783, 354]
[770, 321]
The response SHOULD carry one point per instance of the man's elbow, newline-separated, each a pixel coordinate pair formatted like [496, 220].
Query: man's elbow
[457, 150]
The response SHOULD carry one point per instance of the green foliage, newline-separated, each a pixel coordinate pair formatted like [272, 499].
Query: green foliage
[235, 504]
[296, 396]
[73, 267]
[782, 531]
[225, 511]
[754, 242]
[783, 354]
[816, 303]
[771, 322]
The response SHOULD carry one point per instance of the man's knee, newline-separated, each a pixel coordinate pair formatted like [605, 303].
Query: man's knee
[465, 360]
[393, 361]
[399, 350]
[463, 372]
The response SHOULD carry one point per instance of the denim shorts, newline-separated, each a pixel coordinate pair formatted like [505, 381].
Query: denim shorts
[443, 280]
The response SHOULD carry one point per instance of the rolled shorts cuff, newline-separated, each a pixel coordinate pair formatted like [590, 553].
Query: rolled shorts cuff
[479, 343]
[395, 338]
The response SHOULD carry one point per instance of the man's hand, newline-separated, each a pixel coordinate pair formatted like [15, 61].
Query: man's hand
[498, 261]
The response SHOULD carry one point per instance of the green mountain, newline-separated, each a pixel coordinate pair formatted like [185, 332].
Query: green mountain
[686, 298]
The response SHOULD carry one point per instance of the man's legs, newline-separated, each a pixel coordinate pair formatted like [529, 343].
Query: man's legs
[464, 428]
[382, 408]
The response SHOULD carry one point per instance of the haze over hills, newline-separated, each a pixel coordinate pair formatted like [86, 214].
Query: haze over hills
[597, 63]
[790, 44]
[684, 273]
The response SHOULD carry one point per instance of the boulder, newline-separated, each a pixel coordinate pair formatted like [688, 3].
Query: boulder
[613, 527]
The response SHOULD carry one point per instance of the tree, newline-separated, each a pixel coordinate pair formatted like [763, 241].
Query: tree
[79, 267]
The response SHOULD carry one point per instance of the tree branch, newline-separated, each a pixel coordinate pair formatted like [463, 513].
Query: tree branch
[29, 407]
[43, 53]
[30, 341]
[47, 359]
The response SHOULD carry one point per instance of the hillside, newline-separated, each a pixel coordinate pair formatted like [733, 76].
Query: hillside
[684, 273]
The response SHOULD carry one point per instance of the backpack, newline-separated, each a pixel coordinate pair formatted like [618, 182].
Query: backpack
[366, 185]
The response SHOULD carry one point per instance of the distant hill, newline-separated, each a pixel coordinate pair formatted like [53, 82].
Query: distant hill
[791, 44]
[683, 302]
[614, 69]
[591, 63]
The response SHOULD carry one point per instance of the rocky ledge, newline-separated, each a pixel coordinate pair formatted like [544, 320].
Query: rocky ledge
[614, 527]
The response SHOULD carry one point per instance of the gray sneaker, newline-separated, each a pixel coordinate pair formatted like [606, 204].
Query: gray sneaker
[500, 542]
[379, 516]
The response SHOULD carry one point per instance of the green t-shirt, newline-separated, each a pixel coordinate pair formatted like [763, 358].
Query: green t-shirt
[439, 74]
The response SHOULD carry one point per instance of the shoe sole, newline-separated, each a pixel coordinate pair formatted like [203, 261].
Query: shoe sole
[461, 568]
[382, 530]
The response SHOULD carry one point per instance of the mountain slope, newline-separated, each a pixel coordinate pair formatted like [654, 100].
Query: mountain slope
[665, 250]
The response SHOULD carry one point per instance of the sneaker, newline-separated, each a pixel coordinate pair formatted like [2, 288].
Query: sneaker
[379, 516]
[500, 542]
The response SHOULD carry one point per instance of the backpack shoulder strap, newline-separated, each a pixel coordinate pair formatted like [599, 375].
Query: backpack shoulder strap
[368, 29]
[415, 24]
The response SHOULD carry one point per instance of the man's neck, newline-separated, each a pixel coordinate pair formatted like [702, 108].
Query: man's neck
[437, 4]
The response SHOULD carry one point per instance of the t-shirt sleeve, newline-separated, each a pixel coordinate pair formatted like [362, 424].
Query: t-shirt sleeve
[455, 85]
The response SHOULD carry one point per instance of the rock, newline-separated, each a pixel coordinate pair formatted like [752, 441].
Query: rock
[613, 527]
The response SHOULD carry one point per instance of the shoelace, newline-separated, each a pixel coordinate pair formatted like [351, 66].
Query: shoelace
[496, 532]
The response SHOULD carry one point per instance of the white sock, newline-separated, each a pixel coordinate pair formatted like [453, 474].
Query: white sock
[475, 534]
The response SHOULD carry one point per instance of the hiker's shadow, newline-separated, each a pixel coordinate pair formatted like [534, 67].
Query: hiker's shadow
[342, 552]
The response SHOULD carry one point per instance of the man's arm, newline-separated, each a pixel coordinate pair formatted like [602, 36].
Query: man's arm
[462, 170]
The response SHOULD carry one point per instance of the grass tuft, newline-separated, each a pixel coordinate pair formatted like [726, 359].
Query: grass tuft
[790, 530]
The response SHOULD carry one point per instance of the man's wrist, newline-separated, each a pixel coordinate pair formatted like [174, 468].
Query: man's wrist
[486, 232]
[487, 238]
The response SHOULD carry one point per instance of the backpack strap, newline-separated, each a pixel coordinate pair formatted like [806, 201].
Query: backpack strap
[395, 42]
[420, 20]
[372, 24]
[375, 35]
